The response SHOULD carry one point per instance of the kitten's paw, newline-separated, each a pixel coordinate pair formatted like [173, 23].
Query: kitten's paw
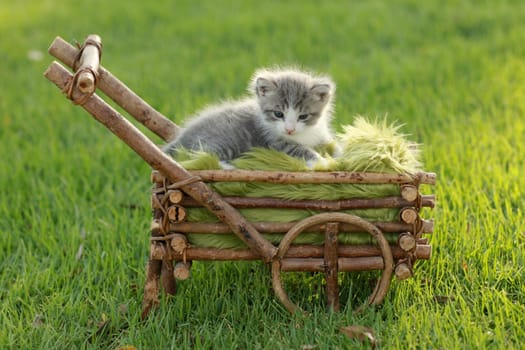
[225, 165]
[311, 163]
[322, 164]
[337, 151]
[332, 149]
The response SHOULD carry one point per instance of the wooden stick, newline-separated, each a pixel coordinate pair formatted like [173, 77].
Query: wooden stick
[157, 177]
[422, 252]
[427, 226]
[88, 64]
[120, 93]
[383, 283]
[331, 266]
[156, 201]
[362, 264]
[311, 177]
[168, 281]
[422, 240]
[276, 227]
[344, 264]
[157, 159]
[151, 288]
[331, 205]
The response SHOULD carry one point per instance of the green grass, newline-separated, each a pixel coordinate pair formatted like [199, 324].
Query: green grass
[453, 72]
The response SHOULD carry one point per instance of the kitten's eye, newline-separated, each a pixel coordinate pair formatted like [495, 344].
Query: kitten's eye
[278, 114]
[303, 117]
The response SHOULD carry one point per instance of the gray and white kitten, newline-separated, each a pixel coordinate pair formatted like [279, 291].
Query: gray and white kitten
[289, 111]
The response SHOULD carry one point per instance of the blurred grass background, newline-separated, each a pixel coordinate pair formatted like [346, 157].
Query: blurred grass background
[453, 72]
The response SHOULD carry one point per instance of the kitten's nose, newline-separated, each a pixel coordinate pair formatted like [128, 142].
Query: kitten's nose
[290, 131]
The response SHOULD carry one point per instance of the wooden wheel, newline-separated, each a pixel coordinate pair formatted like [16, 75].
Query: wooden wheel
[383, 283]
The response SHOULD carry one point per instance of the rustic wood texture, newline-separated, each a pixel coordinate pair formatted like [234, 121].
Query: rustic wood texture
[151, 287]
[278, 227]
[409, 215]
[403, 271]
[331, 205]
[407, 242]
[166, 277]
[422, 251]
[128, 133]
[182, 270]
[175, 189]
[176, 213]
[409, 192]
[369, 263]
[312, 177]
[120, 93]
[179, 243]
[88, 64]
[331, 265]
[383, 283]
[175, 196]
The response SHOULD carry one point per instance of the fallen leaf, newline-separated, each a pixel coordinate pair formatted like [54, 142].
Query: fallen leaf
[78, 256]
[127, 347]
[426, 282]
[38, 321]
[123, 308]
[360, 333]
[443, 299]
[309, 346]
[102, 325]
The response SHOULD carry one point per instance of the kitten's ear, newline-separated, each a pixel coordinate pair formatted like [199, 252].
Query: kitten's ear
[265, 87]
[321, 92]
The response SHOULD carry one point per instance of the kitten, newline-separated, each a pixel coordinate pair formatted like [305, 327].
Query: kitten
[289, 111]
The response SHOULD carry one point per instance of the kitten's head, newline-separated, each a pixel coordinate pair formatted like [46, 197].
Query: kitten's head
[292, 100]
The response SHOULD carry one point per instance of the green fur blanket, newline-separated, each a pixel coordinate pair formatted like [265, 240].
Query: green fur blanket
[366, 146]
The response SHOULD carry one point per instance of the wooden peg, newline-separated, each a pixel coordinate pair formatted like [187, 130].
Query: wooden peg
[409, 192]
[176, 213]
[407, 242]
[88, 64]
[182, 270]
[179, 242]
[409, 215]
[175, 196]
[403, 271]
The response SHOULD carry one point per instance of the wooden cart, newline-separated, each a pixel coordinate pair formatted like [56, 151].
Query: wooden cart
[176, 189]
